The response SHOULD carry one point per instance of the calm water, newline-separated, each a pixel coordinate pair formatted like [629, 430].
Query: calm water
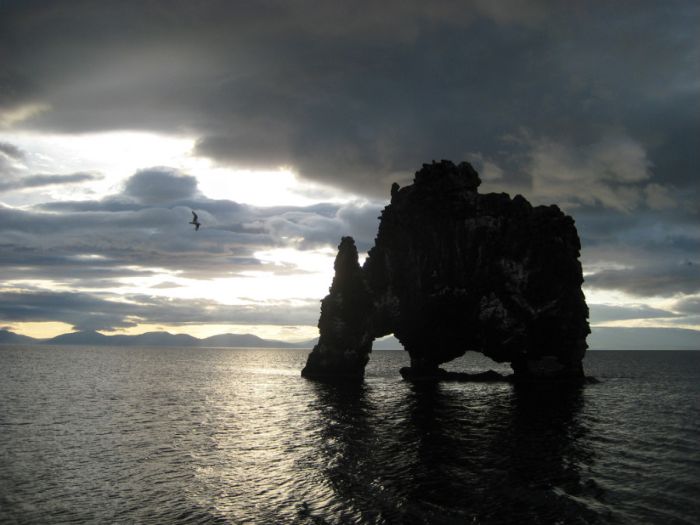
[150, 435]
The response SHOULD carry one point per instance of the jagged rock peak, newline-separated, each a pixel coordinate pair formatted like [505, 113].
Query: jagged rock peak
[345, 338]
[447, 176]
[346, 263]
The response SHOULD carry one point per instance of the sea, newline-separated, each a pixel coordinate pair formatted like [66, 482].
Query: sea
[177, 435]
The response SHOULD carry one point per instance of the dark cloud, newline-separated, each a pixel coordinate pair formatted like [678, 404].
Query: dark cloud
[82, 310]
[160, 185]
[688, 305]
[357, 94]
[641, 253]
[645, 281]
[605, 313]
[85, 311]
[11, 151]
[10, 157]
[37, 181]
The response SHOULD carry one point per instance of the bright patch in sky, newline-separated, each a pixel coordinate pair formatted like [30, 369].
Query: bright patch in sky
[41, 330]
[302, 275]
[116, 156]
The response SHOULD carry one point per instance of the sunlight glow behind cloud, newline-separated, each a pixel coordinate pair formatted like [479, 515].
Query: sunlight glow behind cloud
[118, 155]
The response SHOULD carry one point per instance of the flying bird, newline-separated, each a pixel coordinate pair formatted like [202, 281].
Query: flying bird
[196, 222]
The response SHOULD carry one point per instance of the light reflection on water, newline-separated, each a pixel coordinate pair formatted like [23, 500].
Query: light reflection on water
[236, 436]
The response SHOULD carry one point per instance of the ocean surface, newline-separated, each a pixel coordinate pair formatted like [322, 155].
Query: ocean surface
[173, 435]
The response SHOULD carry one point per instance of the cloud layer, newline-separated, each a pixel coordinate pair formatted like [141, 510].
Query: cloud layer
[595, 107]
[354, 93]
[73, 261]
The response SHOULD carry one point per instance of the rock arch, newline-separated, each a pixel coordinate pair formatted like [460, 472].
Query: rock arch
[454, 270]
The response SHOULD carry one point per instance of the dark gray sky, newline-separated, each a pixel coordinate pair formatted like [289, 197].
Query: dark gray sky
[591, 105]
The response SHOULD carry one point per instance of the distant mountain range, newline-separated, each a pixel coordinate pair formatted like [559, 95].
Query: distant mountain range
[168, 339]
[601, 338]
[153, 339]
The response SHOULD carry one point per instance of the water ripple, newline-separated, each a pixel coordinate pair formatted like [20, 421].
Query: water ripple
[236, 436]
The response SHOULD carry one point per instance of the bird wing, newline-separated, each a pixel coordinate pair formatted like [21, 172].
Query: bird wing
[194, 216]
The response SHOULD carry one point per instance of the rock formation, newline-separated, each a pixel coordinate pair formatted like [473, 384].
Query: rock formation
[346, 336]
[453, 270]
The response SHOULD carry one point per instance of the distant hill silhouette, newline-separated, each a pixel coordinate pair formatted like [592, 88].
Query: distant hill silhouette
[248, 340]
[7, 337]
[79, 338]
[153, 339]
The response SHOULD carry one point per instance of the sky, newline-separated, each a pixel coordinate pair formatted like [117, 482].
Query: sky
[283, 125]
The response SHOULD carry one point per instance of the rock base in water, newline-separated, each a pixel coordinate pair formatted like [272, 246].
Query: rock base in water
[440, 374]
[490, 376]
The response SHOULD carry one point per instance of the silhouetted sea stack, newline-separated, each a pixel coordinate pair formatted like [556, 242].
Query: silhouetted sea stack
[453, 270]
[346, 336]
